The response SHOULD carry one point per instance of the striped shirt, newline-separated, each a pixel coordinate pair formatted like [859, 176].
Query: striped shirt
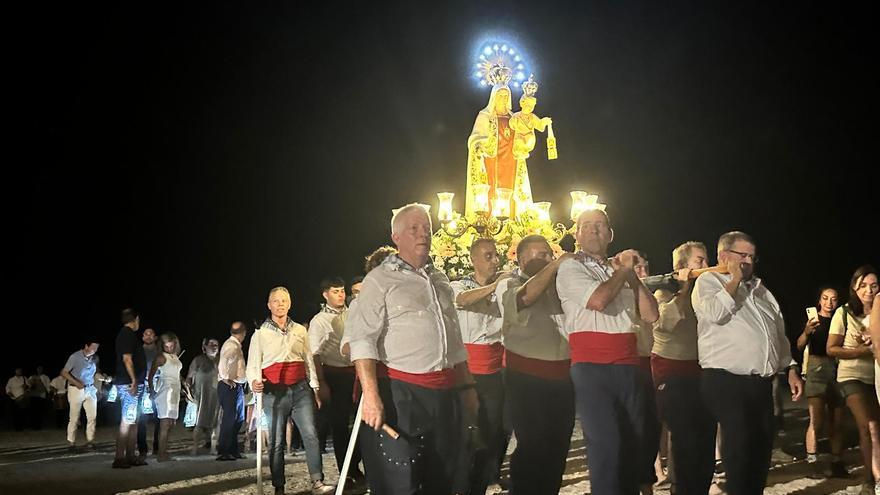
[325, 336]
[405, 317]
[480, 322]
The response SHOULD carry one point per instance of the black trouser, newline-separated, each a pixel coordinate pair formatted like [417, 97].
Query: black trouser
[651, 446]
[692, 432]
[477, 469]
[341, 412]
[20, 412]
[37, 412]
[743, 405]
[369, 442]
[611, 406]
[143, 421]
[542, 414]
[232, 403]
[423, 459]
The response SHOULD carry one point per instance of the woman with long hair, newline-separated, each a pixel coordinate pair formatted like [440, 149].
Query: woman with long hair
[202, 382]
[823, 395]
[850, 342]
[165, 389]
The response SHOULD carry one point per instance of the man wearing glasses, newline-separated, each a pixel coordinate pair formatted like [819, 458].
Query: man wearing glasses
[742, 345]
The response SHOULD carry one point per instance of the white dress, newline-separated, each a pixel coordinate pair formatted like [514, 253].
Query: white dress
[168, 387]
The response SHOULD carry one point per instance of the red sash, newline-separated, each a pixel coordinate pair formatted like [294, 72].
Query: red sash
[549, 370]
[285, 373]
[603, 348]
[437, 380]
[485, 359]
[665, 367]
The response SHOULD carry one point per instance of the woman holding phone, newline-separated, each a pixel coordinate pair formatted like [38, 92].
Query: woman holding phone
[823, 397]
[850, 342]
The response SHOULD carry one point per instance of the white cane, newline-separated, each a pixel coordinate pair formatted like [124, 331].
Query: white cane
[343, 474]
[258, 412]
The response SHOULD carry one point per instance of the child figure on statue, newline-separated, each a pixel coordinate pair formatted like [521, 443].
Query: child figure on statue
[525, 121]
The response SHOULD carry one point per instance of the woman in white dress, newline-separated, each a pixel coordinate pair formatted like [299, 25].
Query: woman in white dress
[165, 389]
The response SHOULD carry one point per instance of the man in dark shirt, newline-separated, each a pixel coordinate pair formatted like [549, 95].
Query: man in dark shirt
[130, 374]
[147, 413]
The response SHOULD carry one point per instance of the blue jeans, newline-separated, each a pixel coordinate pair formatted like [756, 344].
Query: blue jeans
[278, 403]
[232, 402]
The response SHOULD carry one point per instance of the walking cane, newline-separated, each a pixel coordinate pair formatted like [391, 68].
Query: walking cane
[343, 473]
[258, 412]
[346, 464]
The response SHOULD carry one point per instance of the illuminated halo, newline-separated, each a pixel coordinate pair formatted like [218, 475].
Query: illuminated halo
[495, 53]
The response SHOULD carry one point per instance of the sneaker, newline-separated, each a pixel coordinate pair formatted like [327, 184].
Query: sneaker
[319, 488]
[121, 464]
[71, 448]
[90, 446]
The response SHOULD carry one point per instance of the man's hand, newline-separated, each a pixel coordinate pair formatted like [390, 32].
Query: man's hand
[546, 121]
[374, 412]
[345, 350]
[317, 393]
[79, 385]
[324, 393]
[683, 275]
[628, 258]
[229, 383]
[257, 386]
[735, 270]
[796, 384]
[133, 389]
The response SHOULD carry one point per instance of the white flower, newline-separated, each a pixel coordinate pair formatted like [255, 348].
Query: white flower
[453, 260]
[452, 273]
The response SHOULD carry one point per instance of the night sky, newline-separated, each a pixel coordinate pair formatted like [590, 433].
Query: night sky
[183, 160]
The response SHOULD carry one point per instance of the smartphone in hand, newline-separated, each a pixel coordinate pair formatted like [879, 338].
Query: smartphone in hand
[812, 314]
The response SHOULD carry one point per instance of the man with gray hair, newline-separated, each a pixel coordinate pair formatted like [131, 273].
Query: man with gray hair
[742, 346]
[280, 363]
[405, 317]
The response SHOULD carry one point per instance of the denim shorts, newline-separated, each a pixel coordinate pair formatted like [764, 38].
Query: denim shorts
[130, 403]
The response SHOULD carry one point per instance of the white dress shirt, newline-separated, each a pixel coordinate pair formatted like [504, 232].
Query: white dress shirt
[231, 364]
[480, 322]
[744, 335]
[533, 331]
[576, 281]
[325, 336]
[405, 317]
[271, 345]
[16, 386]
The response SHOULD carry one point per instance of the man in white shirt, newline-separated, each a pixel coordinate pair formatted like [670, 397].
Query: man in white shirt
[677, 375]
[480, 321]
[280, 362]
[16, 389]
[603, 302]
[230, 392]
[538, 386]
[742, 345]
[405, 317]
[335, 374]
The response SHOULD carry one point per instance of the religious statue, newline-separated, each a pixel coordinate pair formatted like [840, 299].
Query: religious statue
[501, 142]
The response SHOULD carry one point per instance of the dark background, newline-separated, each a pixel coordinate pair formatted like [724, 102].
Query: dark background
[185, 159]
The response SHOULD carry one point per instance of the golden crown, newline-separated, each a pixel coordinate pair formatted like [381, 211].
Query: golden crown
[530, 87]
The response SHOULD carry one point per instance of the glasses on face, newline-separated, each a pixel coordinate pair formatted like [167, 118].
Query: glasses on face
[743, 255]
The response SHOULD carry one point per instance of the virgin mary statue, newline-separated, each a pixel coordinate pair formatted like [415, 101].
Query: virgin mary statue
[491, 158]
